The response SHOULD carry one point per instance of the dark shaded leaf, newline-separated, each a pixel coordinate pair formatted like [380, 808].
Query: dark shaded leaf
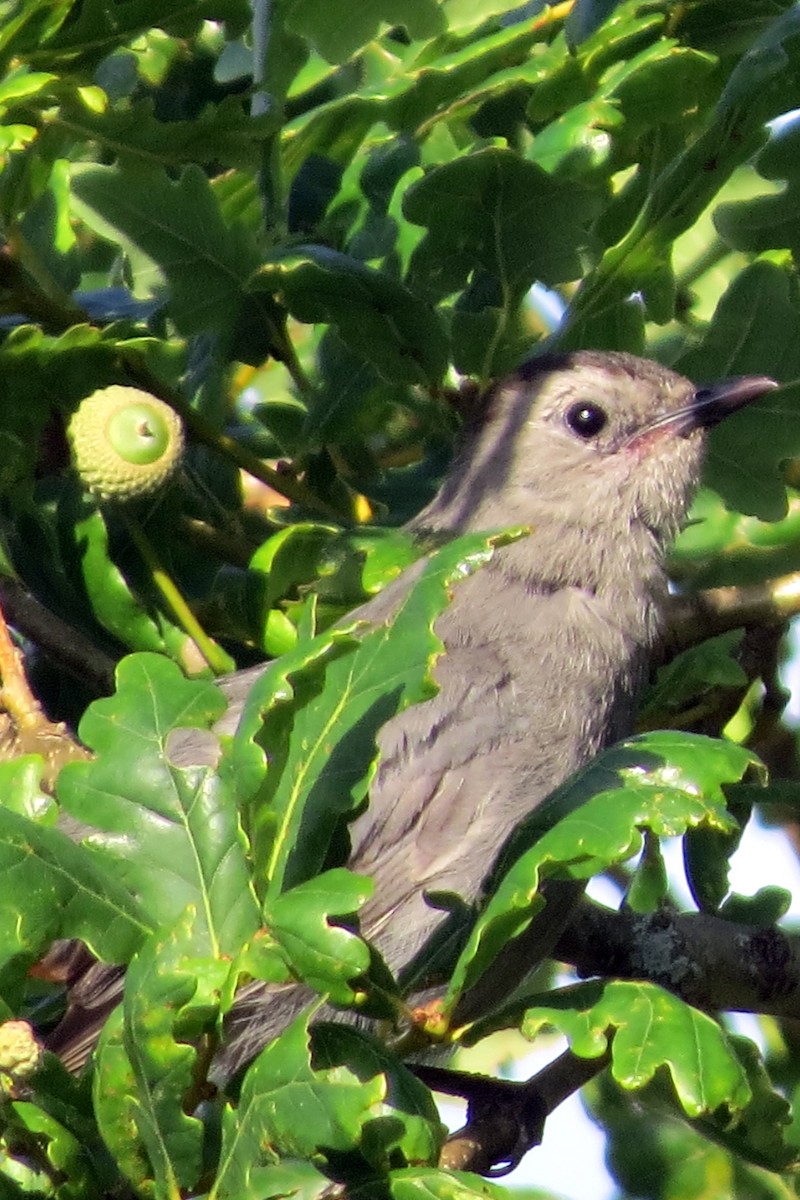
[180, 228]
[379, 318]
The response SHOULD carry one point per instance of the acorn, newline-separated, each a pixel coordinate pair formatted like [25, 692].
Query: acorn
[125, 443]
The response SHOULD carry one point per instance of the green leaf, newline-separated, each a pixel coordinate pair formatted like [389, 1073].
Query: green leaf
[337, 29]
[324, 954]
[23, 84]
[61, 1148]
[34, 367]
[579, 143]
[80, 576]
[650, 1140]
[692, 674]
[344, 567]
[765, 907]
[275, 1179]
[21, 789]
[731, 27]
[336, 1097]
[335, 130]
[660, 85]
[164, 987]
[26, 28]
[269, 721]
[421, 1183]
[96, 30]
[116, 1104]
[376, 316]
[146, 1065]
[180, 228]
[649, 884]
[509, 247]
[706, 856]
[721, 547]
[757, 322]
[587, 16]
[758, 1134]
[766, 76]
[115, 605]
[720, 1081]
[768, 221]
[52, 888]
[652, 1029]
[225, 135]
[54, 1129]
[455, 77]
[764, 83]
[170, 835]
[384, 557]
[418, 1132]
[665, 782]
[707, 851]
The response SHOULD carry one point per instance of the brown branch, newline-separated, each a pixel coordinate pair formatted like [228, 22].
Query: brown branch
[699, 615]
[707, 961]
[24, 728]
[505, 1119]
[55, 638]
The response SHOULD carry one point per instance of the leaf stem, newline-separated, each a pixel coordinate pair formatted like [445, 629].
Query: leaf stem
[284, 483]
[52, 292]
[170, 593]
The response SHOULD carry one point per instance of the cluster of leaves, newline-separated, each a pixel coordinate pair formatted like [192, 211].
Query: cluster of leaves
[295, 223]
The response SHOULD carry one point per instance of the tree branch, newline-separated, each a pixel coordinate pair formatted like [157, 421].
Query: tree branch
[707, 961]
[505, 1119]
[698, 615]
[60, 641]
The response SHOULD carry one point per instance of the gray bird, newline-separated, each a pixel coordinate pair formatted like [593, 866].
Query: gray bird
[546, 647]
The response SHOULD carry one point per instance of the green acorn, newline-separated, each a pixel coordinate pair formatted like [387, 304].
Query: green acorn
[125, 443]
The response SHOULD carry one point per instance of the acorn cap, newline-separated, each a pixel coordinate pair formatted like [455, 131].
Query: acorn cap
[125, 443]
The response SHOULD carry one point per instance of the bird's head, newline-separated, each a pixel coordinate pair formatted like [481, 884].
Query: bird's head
[588, 439]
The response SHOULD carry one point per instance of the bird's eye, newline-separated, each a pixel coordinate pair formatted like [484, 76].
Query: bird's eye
[586, 419]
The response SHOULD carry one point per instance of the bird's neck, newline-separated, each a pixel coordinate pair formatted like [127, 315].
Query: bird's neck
[603, 557]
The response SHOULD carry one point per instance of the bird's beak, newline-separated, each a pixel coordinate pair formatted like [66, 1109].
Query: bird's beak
[714, 403]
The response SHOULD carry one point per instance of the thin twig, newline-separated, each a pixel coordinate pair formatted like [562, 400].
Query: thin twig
[506, 1119]
[56, 639]
[694, 617]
